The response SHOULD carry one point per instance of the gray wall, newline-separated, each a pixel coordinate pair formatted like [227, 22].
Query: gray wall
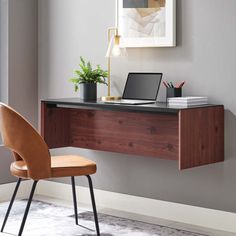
[3, 50]
[19, 83]
[204, 57]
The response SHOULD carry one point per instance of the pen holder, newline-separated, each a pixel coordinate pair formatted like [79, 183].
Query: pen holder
[173, 92]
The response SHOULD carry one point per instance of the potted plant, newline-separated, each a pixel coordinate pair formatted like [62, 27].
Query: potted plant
[88, 78]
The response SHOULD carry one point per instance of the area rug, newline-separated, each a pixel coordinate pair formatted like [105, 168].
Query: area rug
[47, 219]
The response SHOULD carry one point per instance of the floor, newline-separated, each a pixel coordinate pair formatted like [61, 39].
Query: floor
[147, 219]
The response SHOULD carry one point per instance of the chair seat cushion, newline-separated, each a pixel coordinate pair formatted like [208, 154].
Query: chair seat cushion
[61, 166]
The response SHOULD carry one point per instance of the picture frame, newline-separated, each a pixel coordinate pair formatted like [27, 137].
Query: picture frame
[147, 23]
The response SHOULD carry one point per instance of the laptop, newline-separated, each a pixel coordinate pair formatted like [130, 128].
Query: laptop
[140, 88]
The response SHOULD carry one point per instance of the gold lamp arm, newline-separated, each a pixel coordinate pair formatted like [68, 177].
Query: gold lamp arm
[109, 77]
[111, 30]
[115, 31]
[109, 62]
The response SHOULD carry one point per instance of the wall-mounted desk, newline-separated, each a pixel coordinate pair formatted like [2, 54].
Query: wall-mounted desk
[191, 136]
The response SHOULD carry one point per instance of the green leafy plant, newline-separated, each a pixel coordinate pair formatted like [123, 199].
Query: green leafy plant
[86, 74]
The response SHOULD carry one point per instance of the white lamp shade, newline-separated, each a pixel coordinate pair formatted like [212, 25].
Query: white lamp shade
[115, 50]
[110, 46]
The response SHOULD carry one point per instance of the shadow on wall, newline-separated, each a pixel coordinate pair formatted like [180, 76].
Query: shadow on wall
[230, 135]
[6, 158]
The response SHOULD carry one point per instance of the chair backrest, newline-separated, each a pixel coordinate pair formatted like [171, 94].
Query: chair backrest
[24, 141]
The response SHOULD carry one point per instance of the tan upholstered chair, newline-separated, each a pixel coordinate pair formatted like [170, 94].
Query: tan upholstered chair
[33, 160]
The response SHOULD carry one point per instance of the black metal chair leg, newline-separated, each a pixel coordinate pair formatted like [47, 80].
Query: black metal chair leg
[94, 205]
[74, 199]
[27, 208]
[11, 203]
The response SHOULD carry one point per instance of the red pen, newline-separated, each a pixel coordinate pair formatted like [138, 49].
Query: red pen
[165, 84]
[181, 84]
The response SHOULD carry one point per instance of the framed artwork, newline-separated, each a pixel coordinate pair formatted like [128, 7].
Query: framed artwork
[147, 23]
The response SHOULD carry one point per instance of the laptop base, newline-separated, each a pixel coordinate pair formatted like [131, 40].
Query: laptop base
[130, 102]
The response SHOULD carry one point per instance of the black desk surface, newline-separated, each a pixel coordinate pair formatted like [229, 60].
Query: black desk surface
[156, 107]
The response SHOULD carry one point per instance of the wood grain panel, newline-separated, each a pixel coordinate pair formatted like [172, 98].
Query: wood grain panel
[201, 136]
[136, 133]
[195, 137]
[55, 125]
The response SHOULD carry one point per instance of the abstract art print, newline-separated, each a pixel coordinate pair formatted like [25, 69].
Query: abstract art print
[147, 23]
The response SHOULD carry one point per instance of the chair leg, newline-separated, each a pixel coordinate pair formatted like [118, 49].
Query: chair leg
[11, 203]
[94, 205]
[74, 199]
[27, 208]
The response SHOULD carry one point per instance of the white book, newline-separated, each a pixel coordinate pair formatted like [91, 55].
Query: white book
[193, 103]
[184, 99]
[188, 101]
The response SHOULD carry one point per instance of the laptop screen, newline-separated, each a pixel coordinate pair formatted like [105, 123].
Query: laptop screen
[142, 86]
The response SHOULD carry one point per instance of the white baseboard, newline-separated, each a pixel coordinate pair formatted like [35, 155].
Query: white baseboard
[6, 190]
[203, 217]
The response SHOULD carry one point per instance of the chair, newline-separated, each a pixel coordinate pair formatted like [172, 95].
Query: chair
[33, 161]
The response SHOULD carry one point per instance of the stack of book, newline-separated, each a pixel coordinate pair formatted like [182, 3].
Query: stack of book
[187, 101]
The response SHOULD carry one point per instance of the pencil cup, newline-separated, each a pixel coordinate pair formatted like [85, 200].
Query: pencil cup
[173, 92]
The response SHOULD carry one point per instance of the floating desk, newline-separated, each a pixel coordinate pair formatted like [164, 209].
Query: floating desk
[191, 136]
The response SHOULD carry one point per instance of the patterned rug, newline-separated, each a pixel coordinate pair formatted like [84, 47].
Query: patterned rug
[47, 219]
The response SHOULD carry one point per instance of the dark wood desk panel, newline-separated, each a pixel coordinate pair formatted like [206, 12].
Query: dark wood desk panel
[193, 136]
[201, 136]
[136, 133]
[55, 125]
